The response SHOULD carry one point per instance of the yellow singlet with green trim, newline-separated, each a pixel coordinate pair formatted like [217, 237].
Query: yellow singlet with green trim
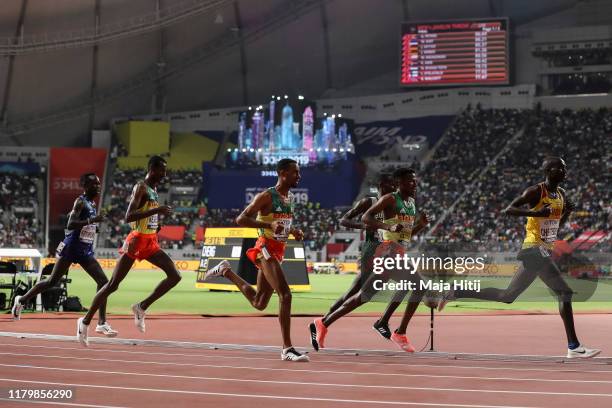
[542, 231]
[405, 215]
[148, 225]
[282, 211]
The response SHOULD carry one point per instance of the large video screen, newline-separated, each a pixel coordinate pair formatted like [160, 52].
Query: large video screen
[446, 53]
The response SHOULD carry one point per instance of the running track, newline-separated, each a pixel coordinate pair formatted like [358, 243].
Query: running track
[114, 375]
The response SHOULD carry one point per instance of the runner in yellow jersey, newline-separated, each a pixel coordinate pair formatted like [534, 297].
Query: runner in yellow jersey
[271, 212]
[143, 215]
[548, 210]
[398, 226]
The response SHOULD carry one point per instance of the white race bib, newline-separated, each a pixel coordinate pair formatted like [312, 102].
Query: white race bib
[548, 230]
[153, 222]
[284, 235]
[88, 234]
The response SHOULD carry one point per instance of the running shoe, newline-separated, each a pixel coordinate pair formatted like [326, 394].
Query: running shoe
[291, 354]
[402, 342]
[106, 330]
[82, 332]
[218, 270]
[17, 308]
[582, 352]
[382, 329]
[139, 317]
[318, 331]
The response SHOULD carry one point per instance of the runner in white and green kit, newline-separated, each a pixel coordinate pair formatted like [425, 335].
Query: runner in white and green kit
[399, 211]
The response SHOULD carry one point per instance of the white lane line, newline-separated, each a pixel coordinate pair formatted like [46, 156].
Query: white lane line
[62, 403]
[302, 383]
[436, 376]
[281, 397]
[317, 361]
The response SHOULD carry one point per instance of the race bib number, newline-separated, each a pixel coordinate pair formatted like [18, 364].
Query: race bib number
[548, 230]
[88, 234]
[153, 222]
[406, 231]
[58, 251]
[284, 235]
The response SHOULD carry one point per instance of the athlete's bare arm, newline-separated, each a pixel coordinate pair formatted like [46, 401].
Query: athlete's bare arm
[261, 203]
[73, 219]
[384, 204]
[361, 207]
[421, 223]
[530, 197]
[137, 200]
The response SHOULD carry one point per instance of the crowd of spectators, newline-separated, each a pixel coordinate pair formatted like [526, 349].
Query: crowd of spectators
[582, 138]
[19, 224]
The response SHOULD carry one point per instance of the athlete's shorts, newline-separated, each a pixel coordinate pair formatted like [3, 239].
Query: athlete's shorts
[275, 248]
[74, 251]
[140, 246]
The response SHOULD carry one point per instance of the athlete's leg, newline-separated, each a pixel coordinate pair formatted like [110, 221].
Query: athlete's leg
[519, 283]
[353, 289]
[259, 297]
[173, 277]
[59, 269]
[93, 269]
[413, 303]
[274, 275]
[551, 275]
[362, 296]
[121, 270]
[397, 300]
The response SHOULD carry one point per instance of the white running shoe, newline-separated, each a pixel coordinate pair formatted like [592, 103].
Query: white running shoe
[106, 330]
[582, 352]
[17, 308]
[291, 354]
[139, 317]
[218, 270]
[82, 332]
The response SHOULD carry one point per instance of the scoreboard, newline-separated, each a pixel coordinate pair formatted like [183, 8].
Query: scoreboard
[471, 52]
[231, 244]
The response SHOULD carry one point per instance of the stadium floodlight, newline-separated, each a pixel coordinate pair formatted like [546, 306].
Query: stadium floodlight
[252, 150]
[311, 150]
[236, 149]
[286, 97]
[326, 149]
[324, 113]
[243, 150]
[333, 116]
[229, 150]
[348, 149]
[318, 149]
[278, 98]
[250, 108]
[260, 149]
[339, 115]
[334, 150]
[300, 97]
[341, 150]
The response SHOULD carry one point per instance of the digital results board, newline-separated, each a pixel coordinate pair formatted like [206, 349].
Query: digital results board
[231, 244]
[447, 53]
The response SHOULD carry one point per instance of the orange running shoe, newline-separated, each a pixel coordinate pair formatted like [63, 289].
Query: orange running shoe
[318, 331]
[402, 342]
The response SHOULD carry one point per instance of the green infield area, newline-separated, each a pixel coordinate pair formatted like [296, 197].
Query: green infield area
[185, 298]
